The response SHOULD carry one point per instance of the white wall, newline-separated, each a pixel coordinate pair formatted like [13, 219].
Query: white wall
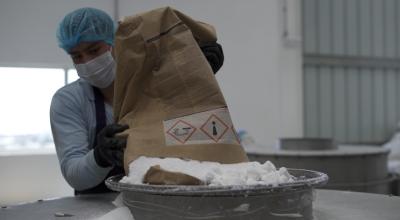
[262, 74]
[28, 30]
[261, 78]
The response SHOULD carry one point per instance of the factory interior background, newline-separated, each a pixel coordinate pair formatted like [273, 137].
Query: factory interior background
[311, 68]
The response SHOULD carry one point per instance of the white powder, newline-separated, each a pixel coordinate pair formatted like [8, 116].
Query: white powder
[212, 173]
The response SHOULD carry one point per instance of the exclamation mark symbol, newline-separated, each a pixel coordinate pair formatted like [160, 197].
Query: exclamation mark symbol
[215, 133]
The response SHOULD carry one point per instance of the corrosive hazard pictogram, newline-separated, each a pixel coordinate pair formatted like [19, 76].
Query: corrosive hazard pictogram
[214, 128]
[181, 131]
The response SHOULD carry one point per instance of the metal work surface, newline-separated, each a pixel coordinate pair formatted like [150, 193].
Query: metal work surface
[328, 205]
[340, 205]
[76, 208]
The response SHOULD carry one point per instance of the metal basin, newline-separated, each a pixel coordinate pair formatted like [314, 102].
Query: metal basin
[307, 144]
[350, 167]
[285, 201]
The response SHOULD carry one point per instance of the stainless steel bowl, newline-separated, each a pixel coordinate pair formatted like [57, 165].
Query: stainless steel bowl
[285, 201]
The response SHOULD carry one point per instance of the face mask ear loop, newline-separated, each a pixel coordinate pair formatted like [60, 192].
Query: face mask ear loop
[112, 52]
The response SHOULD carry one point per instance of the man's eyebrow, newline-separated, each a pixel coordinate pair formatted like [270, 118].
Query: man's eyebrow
[91, 46]
[88, 47]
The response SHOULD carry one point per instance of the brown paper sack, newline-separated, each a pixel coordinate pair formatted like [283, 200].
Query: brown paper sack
[158, 176]
[166, 92]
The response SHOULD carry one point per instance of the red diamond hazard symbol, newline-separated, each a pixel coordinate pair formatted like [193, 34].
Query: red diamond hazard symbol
[181, 131]
[214, 128]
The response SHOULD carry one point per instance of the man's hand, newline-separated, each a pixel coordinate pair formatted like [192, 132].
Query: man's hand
[214, 54]
[109, 150]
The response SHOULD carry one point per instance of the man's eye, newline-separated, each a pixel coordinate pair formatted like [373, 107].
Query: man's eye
[76, 57]
[93, 51]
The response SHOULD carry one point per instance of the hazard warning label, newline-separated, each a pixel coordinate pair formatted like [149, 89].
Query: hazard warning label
[214, 126]
[181, 131]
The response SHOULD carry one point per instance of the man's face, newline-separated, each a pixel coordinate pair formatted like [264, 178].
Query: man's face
[86, 51]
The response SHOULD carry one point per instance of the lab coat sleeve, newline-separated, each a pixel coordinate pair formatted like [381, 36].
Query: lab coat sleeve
[70, 134]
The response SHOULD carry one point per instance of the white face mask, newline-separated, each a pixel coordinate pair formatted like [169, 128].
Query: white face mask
[99, 72]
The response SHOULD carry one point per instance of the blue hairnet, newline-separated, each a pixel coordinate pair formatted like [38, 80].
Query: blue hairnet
[85, 25]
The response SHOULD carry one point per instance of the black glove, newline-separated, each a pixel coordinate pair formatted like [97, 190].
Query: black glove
[214, 54]
[109, 150]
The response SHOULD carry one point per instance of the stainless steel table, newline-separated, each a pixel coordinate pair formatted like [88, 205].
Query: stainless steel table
[78, 207]
[329, 205]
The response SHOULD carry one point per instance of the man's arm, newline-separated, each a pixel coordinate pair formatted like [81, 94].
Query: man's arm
[70, 135]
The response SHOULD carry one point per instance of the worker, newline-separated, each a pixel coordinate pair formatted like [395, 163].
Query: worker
[81, 112]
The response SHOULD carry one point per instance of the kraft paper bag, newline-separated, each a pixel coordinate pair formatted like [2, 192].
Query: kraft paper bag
[166, 92]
